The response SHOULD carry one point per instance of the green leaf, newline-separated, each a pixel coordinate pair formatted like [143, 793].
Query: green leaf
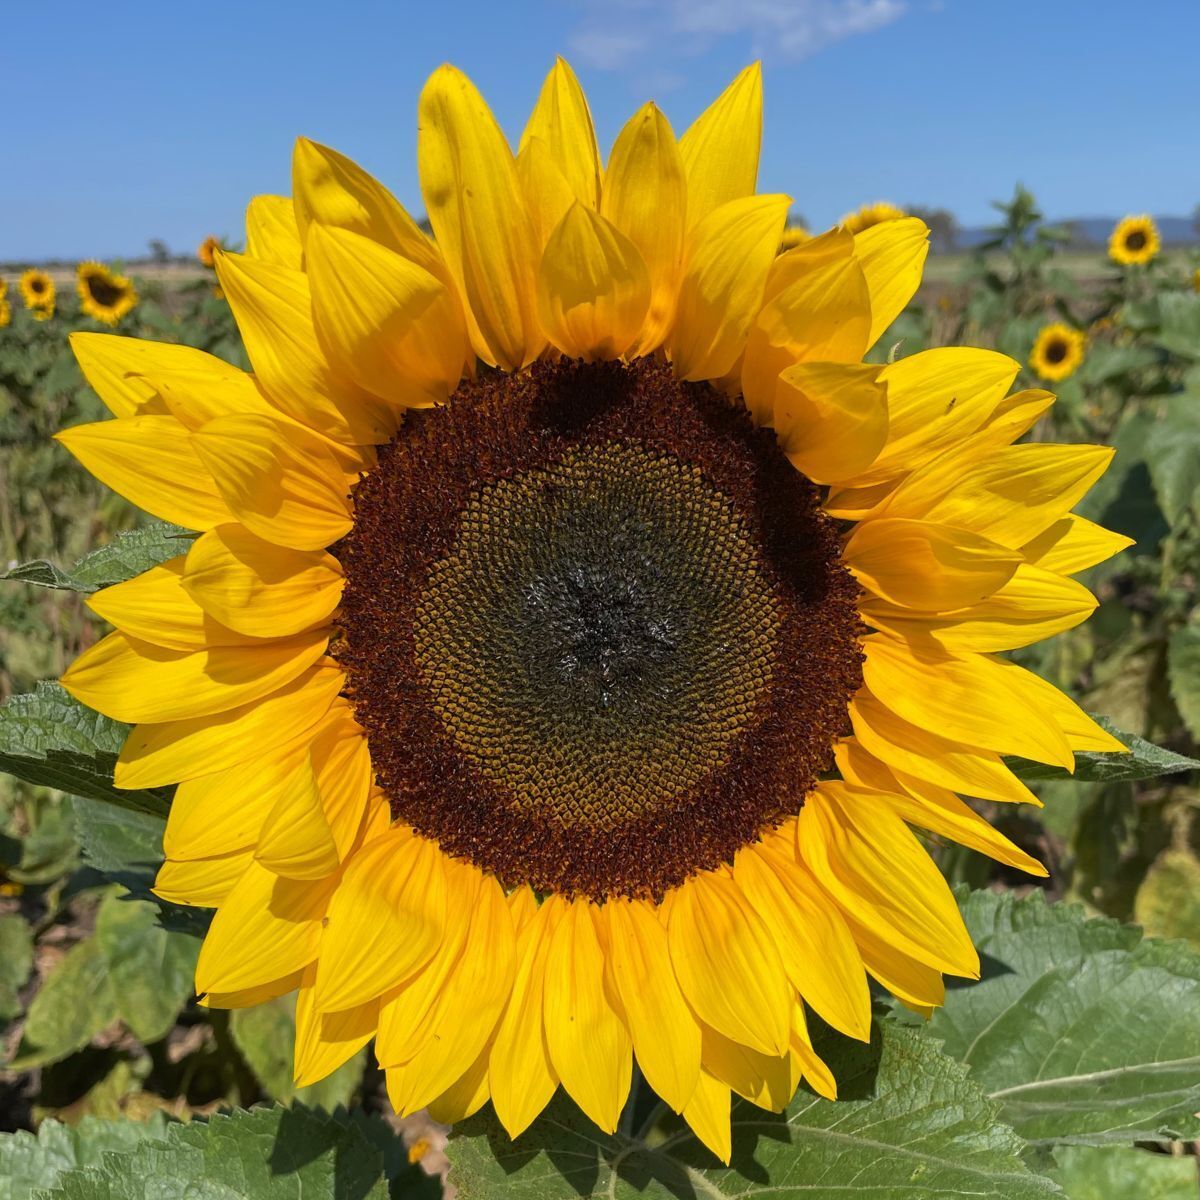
[1120, 1172]
[16, 960]
[1143, 761]
[262, 1154]
[1180, 316]
[1183, 671]
[911, 1124]
[1168, 899]
[28, 1162]
[74, 1003]
[150, 968]
[48, 738]
[1173, 455]
[266, 1036]
[1081, 1030]
[127, 555]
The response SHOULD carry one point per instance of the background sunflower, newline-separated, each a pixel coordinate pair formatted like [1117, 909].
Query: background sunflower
[38, 292]
[1134, 241]
[104, 294]
[1057, 352]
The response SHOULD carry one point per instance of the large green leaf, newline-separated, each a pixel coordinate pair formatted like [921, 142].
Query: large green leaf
[50, 739]
[1144, 760]
[1081, 1030]
[1173, 455]
[1124, 1173]
[263, 1154]
[1183, 670]
[127, 555]
[16, 959]
[1180, 316]
[28, 1162]
[910, 1125]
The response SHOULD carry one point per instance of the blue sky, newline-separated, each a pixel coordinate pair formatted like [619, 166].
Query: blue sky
[132, 120]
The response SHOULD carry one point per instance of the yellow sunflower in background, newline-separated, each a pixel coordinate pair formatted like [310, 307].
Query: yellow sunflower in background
[1196, 280]
[38, 292]
[5, 312]
[207, 251]
[1057, 352]
[103, 294]
[1134, 240]
[502, 698]
[871, 214]
[793, 236]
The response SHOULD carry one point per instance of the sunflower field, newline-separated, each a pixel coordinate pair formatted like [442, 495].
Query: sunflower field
[621, 696]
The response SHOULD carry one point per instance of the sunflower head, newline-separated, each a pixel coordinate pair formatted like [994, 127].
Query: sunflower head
[103, 294]
[5, 312]
[38, 292]
[1057, 351]
[871, 214]
[1134, 240]
[577, 623]
[1196, 280]
[793, 236]
[207, 250]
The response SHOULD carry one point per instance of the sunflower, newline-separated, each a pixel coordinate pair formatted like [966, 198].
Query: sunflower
[1057, 352]
[5, 312]
[1196, 280]
[793, 236]
[1134, 240]
[871, 214]
[545, 573]
[37, 290]
[207, 251]
[104, 294]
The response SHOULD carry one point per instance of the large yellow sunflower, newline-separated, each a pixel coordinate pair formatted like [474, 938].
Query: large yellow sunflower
[103, 294]
[871, 214]
[545, 574]
[38, 292]
[1134, 240]
[1057, 351]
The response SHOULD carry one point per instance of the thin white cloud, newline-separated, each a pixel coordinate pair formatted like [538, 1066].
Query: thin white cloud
[617, 35]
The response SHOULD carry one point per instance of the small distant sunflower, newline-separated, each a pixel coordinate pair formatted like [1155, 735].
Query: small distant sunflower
[793, 236]
[1057, 352]
[3, 287]
[1134, 240]
[206, 252]
[38, 292]
[547, 571]
[871, 214]
[104, 294]
[5, 312]
[1196, 280]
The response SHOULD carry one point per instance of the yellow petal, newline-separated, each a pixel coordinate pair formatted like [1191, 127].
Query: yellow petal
[727, 964]
[252, 997]
[1078, 729]
[473, 195]
[936, 400]
[877, 871]
[593, 290]
[196, 396]
[326, 1040]
[152, 463]
[271, 232]
[547, 193]
[666, 1038]
[1074, 544]
[273, 309]
[256, 587]
[923, 754]
[467, 1095]
[204, 883]
[892, 255]
[384, 322]
[178, 750]
[131, 680]
[295, 840]
[385, 920]
[283, 485]
[588, 1043]
[831, 418]
[521, 1076]
[342, 761]
[814, 944]
[1010, 494]
[914, 984]
[707, 1113]
[645, 197]
[266, 927]
[931, 807]
[1013, 416]
[967, 697]
[562, 122]
[816, 309]
[721, 291]
[154, 607]
[1032, 606]
[917, 564]
[466, 1010]
[720, 150]
[766, 1080]
[812, 1066]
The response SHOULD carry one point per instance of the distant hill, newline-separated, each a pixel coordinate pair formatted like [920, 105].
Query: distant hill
[1094, 231]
